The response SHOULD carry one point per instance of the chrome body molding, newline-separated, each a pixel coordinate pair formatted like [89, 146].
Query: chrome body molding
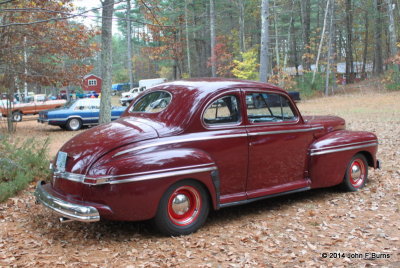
[160, 143]
[139, 176]
[64, 208]
[285, 131]
[345, 145]
[69, 176]
[228, 136]
[163, 175]
[340, 148]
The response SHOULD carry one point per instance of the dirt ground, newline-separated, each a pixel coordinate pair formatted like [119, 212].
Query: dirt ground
[318, 228]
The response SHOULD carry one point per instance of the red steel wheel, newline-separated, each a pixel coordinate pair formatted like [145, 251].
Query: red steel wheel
[184, 205]
[356, 173]
[183, 209]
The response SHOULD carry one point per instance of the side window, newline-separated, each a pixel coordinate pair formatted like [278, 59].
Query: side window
[269, 107]
[224, 110]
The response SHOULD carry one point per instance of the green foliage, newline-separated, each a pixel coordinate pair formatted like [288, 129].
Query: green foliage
[307, 89]
[20, 164]
[248, 67]
[392, 79]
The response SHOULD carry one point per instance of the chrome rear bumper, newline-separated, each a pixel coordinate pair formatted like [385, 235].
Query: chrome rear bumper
[64, 208]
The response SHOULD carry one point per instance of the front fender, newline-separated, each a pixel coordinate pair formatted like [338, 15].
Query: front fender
[330, 155]
[140, 180]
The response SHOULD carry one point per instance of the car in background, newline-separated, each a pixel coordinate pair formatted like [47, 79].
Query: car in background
[116, 88]
[92, 94]
[34, 104]
[127, 97]
[76, 114]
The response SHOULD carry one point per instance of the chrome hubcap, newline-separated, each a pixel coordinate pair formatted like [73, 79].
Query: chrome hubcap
[180, 204]
[74, 123]
[355, 172]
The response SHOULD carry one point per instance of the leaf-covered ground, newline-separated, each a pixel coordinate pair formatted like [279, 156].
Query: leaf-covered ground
[290, 231]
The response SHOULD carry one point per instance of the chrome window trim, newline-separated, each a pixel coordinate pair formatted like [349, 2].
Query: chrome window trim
[343, 145]
[224, 125]
[256, 90]
[343, 149]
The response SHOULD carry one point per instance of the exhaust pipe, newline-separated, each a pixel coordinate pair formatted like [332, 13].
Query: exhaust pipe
[65, 219]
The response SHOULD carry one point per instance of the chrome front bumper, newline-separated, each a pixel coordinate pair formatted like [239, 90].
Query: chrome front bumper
[64, 208]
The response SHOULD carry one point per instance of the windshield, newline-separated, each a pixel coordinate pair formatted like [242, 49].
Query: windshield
[69, 104]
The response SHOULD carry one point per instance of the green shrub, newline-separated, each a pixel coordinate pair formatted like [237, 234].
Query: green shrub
[20, 164]
[391, 79]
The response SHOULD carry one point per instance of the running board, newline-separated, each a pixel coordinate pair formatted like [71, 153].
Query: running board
[243, 202]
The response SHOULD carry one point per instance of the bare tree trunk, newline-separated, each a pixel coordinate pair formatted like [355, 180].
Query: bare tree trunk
[129, 39]
[241, 26]
[306, 21]
[278, 63]
[365, 52]
[392, 29]
[330, 48]
[378, 59]
[289, 37]
[187, 40]
[321, 41]
[349, 40]
[264, 41]
[295, 57]
[106, 60]
[212, 32]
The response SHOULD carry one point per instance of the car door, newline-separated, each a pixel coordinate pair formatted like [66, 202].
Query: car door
[278, 144]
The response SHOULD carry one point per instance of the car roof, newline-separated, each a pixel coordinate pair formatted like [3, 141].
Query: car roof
[214, 85]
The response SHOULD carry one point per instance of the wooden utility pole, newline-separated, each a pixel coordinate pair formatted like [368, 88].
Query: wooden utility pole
[264, 57]
[106, 60]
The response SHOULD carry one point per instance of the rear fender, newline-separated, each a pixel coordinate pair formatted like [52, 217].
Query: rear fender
[330, 155]
[144, 177]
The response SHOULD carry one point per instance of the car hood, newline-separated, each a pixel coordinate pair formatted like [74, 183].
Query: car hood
[84, 149]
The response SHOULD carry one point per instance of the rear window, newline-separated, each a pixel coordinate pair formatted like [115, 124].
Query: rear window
[153, 102]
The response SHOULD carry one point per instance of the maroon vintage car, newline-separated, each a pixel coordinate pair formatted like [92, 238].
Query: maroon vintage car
[185, 147]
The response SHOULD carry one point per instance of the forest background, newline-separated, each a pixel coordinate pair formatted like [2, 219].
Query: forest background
[312, 45]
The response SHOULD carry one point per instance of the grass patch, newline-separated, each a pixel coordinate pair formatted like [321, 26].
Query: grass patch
[20, 164]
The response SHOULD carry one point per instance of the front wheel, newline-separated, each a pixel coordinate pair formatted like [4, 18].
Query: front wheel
[74, 124]
[183, 209]
[16, 116]
[356, 173]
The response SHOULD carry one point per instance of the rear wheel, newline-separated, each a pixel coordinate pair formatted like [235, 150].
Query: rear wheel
[356, 173]
[183, 209]
[16, 116]
[74, 124]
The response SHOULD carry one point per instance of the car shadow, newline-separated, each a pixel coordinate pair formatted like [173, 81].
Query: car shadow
[128, 231]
